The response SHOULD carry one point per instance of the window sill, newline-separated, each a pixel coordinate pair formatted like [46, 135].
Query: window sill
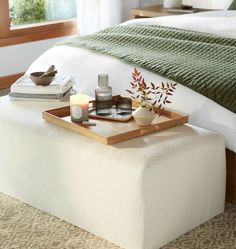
[36, 32]
[7, 81]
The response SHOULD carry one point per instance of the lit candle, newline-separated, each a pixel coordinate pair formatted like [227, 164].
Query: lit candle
[79, 108]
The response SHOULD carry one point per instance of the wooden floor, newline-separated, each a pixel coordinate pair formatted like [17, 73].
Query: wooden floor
[231, 177]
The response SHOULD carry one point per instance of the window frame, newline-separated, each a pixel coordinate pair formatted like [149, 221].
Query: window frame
[32, 32]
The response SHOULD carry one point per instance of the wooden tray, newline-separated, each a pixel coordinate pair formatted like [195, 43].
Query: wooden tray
[111, 132]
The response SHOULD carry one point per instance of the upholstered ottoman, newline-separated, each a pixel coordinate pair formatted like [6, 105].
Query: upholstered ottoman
[139, 194]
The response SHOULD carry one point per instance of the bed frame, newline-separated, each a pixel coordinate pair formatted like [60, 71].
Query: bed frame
[231, 176]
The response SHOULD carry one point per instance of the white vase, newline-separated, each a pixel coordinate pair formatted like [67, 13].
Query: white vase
[172, 3]
[143, 116]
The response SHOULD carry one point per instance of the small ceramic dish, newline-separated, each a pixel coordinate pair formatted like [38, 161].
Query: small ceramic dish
[44, 81]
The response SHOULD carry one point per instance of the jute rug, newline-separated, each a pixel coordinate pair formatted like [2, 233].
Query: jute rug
[24, 227]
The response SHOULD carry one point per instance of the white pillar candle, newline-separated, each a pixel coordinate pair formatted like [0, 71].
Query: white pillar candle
[79, 108]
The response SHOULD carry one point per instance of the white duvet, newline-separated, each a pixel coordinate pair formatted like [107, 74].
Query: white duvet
[86, 65]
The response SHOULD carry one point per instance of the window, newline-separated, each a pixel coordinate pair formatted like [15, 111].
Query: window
[35, 11]
[30, 20]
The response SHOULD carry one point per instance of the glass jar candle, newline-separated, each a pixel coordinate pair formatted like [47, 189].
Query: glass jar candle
[123, 105]
[79, 108]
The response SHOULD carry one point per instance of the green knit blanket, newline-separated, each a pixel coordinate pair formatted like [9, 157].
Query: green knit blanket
[203, 62]
[232, 5]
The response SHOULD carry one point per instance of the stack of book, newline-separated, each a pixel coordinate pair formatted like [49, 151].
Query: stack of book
[25, 89]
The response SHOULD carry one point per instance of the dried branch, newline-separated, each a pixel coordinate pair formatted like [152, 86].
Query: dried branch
[152, 96]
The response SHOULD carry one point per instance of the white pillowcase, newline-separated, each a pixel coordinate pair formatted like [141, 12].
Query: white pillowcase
[208, 4]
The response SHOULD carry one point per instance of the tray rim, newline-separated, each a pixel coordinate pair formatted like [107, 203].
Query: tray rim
[58, 120]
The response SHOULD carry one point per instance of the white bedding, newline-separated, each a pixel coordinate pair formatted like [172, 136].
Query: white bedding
[86, 65]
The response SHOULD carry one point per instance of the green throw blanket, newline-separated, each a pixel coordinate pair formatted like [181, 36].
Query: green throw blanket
[203, 62]
[232, 5]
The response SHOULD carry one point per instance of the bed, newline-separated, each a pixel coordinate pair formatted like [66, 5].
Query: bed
[86, 65]
[203, 112]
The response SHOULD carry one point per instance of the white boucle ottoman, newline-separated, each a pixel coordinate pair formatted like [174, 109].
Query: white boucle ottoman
[139, 194]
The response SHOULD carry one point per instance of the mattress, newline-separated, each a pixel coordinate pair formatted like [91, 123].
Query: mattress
[86, 65]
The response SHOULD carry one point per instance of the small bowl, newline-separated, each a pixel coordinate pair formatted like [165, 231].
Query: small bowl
[45, 81]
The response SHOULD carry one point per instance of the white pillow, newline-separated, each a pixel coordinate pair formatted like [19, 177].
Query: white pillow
[208, 4]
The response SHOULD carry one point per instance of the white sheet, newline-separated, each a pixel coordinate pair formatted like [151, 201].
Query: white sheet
[203, 112]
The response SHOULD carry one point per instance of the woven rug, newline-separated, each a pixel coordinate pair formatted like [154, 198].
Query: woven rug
[24, 227]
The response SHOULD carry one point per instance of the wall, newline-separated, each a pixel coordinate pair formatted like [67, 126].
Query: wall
[150, 2]
[128, 5]
[17, 58]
